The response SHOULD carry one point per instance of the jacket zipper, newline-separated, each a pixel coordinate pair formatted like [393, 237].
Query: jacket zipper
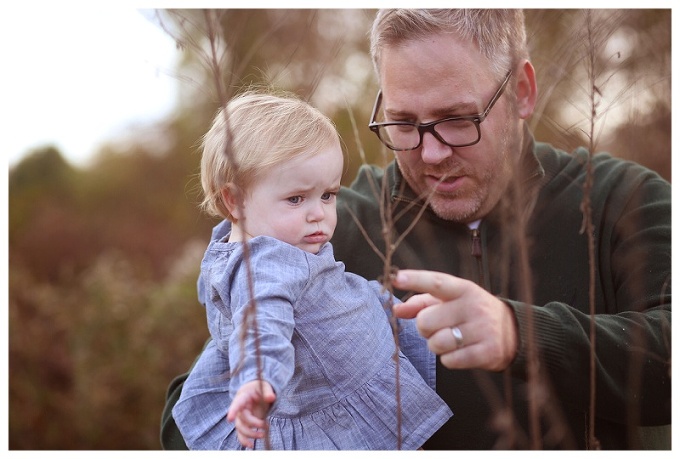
[477, 253]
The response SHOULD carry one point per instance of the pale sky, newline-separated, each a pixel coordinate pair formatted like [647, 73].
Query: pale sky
[77, 75]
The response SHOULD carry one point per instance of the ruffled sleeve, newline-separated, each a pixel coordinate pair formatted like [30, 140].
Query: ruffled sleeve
[263, 324]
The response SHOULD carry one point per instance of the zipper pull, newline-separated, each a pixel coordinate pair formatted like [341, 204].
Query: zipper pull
[476, 243]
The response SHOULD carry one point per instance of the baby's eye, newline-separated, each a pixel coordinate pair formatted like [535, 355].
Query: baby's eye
[295, 199]
[327, 196]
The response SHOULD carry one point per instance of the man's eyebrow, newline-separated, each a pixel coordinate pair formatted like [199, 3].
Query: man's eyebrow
[459, 109]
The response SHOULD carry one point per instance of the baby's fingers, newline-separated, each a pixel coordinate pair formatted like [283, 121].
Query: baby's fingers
[250, 421]
[245, 440]
[248, 428]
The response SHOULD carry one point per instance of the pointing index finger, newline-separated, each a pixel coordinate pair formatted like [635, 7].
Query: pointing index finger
[441, 285]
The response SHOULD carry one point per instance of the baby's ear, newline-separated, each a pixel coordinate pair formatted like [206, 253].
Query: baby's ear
[233, 200]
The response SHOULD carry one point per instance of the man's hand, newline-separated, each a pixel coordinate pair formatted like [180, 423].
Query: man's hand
[463, 323]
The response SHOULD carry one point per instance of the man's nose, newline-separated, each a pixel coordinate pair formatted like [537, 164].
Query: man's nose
[432, 151]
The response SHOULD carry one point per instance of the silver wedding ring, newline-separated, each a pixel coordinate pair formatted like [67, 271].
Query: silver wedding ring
[458, 336]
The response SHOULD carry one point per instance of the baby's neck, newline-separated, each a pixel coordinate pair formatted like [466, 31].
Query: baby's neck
[238, 234]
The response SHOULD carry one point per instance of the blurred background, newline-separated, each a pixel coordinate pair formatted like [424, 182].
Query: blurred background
[103, 253]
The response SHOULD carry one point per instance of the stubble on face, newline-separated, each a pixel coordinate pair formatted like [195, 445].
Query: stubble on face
[479, 174]
[471, 203]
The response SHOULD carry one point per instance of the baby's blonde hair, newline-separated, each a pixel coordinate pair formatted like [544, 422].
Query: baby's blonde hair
[255, 132]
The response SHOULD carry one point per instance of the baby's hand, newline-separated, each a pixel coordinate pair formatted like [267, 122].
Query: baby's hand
[248, 411]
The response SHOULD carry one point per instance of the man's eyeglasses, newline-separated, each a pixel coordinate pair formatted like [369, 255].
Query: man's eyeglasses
[456, 131]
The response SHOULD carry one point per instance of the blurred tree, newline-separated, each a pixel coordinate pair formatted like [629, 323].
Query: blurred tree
[321, 55]
[42, 227]
[43, 174]
[633, 74]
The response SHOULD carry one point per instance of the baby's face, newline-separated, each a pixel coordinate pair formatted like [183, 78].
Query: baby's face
[295, 202]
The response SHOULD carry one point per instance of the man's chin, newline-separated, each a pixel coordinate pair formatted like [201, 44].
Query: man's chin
[454, 210]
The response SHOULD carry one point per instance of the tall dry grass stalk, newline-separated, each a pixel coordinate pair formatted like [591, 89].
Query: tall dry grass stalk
[597, 31]
[214, 60]
[587, 227]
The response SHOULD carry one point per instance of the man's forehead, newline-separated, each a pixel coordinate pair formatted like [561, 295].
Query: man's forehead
[435, 101]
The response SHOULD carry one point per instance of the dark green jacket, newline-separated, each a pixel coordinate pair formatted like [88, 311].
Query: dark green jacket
[545, 264]
[531, 251]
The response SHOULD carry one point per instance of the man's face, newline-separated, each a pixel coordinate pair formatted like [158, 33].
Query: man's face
[439, 77]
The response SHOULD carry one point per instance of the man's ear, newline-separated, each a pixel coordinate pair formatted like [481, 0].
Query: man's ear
[232, 197]
[526, 90]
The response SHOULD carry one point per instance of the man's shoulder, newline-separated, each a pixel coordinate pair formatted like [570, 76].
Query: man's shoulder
[369, 178]
[359, 218]
[574, 164]
[615, 181]
[362, 198]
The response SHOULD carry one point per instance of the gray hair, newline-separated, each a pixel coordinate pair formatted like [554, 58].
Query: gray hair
[499, 34]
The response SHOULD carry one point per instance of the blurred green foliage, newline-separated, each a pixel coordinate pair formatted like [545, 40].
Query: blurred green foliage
[103, 260]
[102, 307]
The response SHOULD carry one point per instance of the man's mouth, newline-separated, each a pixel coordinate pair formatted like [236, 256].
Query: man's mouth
[444, 183]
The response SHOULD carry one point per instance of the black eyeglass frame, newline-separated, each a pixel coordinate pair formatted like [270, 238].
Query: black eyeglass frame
[429, 127]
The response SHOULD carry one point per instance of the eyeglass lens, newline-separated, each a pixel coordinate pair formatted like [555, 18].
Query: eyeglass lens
[452, 132]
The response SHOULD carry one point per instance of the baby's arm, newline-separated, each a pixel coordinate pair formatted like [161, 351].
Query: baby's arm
[249, 409]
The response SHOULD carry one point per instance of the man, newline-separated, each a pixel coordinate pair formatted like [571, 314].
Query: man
[497, 220]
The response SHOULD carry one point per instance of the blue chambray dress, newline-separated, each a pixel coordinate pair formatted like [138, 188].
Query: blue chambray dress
[326, 347]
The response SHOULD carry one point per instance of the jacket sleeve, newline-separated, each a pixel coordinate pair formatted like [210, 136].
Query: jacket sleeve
[632, 320]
